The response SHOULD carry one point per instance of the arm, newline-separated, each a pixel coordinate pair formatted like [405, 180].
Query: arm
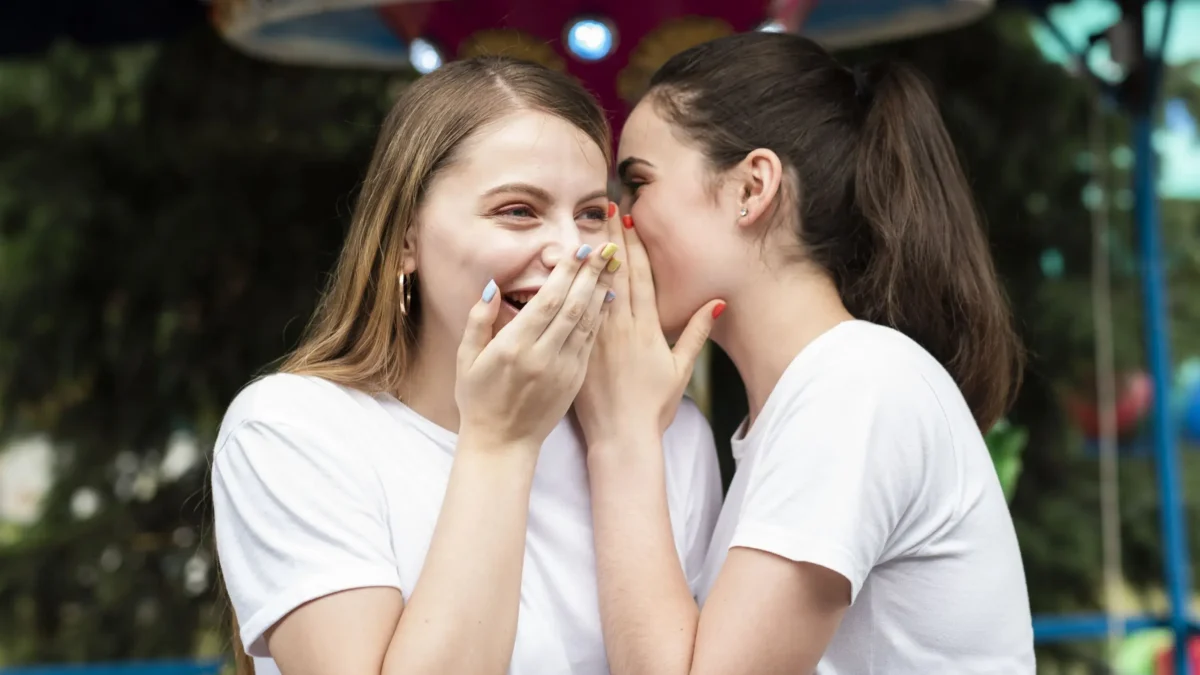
[322, 549]
[462, 616]
[829, 487]
[766, 614]
[647, 611]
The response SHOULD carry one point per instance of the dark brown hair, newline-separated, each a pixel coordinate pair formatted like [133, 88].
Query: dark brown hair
[883, 204]
[359, 337]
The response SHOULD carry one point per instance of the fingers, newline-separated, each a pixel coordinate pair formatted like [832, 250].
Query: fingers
[574, 314]
[620, 282]
[537, 315]
[480, 323]
[581, 339]
[641, 280]
[692, 340]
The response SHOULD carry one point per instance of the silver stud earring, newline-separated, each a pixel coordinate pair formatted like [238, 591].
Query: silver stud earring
[744, 212]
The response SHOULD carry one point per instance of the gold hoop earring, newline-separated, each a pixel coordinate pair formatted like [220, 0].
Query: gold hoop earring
[405, 292]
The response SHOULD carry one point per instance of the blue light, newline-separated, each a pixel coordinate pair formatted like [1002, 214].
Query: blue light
[591, 39]
[424, 57]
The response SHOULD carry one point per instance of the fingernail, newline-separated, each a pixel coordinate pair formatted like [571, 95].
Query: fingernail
[583, 252]
[614, 265]
[628, 220]
[489, 291]
[718, 310]
[612, 209]
[610, 296]
[608, 250]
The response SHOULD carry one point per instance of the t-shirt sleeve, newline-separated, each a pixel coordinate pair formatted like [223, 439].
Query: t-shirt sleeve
[840, 464]
[297, 518]
[704, 503]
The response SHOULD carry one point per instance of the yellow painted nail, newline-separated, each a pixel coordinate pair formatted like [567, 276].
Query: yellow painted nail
[609, 250]
[614, 265]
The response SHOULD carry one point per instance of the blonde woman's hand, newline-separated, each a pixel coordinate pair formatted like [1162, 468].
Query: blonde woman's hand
[514, 387]
[635, 379]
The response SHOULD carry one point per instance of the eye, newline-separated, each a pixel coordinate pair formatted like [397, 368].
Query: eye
[595, 216]
[517, 212]
[632, 186]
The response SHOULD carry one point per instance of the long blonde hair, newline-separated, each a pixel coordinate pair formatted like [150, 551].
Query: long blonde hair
[358, 336]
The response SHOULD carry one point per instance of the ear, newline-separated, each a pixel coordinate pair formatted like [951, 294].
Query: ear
[408, 252]
[763, 175]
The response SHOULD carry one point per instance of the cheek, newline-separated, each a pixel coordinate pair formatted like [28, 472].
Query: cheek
[681, 259]
[454, 267]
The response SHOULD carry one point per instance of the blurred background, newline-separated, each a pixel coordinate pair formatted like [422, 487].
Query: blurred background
[176, 178]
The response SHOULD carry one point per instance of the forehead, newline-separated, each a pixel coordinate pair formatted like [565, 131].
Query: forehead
[648, 136]
[531, 146]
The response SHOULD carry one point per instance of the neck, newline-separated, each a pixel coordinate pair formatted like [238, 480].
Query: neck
[429, 385]
[769, 321]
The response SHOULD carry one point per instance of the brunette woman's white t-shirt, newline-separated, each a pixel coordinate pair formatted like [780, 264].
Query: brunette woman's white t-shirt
[318, 488]
[866, 460]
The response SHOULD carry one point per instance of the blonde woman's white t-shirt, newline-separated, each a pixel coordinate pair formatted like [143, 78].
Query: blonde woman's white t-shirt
[319, 488]
[867, 461]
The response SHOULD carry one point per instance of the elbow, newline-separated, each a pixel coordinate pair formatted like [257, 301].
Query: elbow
[664, 661]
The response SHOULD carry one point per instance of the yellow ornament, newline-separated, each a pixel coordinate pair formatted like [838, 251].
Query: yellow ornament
[661, 44]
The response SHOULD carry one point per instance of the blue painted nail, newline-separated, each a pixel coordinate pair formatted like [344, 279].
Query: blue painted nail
[583, 252]
[610, 296]
[489, 291]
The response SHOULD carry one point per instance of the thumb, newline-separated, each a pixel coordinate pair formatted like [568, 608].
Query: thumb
[692, 340]
[479, 326]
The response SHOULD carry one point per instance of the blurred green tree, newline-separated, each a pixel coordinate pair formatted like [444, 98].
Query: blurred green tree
[167, 214]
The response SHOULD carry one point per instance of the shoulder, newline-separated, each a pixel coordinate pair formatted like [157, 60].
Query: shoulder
[689, 448]
[866, 369]
[291, 399]
[293, 405]
[689, 431]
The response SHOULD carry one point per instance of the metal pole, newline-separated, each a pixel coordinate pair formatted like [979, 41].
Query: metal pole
[1166, 452]
[1176, 561]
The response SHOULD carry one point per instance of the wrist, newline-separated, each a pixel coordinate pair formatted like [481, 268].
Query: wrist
[480, 442]
[624, 446]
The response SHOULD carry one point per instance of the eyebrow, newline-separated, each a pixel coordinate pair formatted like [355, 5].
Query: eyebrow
[538, 193]
[623, 167]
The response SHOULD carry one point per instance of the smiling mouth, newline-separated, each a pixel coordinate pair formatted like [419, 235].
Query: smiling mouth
[519, 299]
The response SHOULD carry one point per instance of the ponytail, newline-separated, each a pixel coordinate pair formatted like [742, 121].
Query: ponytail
[883, 206]
[929, 271]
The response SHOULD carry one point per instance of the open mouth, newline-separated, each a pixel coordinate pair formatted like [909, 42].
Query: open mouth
[518, 299]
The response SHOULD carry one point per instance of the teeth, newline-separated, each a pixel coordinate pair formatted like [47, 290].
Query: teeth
[522, 297]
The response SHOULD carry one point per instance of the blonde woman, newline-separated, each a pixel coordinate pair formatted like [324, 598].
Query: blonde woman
[408, 495]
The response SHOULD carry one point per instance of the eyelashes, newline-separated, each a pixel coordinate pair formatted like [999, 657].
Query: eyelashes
[526, 214]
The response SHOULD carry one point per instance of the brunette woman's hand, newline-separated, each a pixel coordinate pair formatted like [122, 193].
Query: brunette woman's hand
[635, 379]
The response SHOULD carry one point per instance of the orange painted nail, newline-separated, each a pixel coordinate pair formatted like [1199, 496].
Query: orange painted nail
[718, 310]
[628, 220]
[612, 209]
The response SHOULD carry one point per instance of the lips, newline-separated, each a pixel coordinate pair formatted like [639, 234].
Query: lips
[518, 298]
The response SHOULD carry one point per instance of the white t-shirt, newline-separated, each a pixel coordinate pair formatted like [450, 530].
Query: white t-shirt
[866, 460]
[319, 488]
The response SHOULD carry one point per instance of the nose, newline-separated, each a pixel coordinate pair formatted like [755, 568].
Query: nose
[562, 239]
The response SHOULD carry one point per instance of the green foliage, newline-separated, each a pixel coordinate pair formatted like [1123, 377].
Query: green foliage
[167, 215]
[1005, 444]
